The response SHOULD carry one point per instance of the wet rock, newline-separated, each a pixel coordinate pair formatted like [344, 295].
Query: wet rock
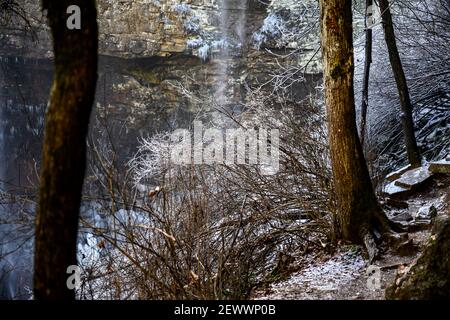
[403, 216]
[414, 178]
[397, 174]
[137, 46]
[426, 213]
[396, 239]
[429, 277]
[392, 190]
[442, 166]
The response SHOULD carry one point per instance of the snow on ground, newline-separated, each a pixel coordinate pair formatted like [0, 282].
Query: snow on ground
[321, 280]
[346, 275]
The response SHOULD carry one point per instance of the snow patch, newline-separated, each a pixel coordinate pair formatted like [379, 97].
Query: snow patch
[326, 278]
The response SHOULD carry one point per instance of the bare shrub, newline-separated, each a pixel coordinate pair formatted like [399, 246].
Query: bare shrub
[208, 231]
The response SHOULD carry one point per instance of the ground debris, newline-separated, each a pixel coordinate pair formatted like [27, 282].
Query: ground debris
[346, 275]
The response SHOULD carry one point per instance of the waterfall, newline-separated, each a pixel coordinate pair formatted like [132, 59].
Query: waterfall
[15, 231]
[5, 283]
[6, 277]
[232, 27]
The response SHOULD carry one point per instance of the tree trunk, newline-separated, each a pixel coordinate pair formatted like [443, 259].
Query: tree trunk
[64, 150]
[429, 277]
[367, 63]
[402, 86]
[358, 208]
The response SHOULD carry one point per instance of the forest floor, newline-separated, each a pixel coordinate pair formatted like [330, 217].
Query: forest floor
[346, 275]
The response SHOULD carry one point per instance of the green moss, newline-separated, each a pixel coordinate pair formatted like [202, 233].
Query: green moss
[429, 278]
[337, 72]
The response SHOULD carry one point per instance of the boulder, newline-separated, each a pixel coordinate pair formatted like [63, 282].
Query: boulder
[442, 166]
[414, 178]
[397, 174]
[429, 277]
[392, 190]
[426, 213]
[403, 217]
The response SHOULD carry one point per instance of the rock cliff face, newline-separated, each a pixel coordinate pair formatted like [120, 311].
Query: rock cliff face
[127, 28]
[136, 28]
[163, 60]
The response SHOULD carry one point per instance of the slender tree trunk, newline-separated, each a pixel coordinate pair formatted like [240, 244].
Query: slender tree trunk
[358, 208]
[64, 150]
[402, 86]
[367, 63]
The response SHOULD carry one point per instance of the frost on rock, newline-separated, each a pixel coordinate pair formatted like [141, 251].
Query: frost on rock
[292, 25]
[203, 52]
[425, 212]
[204, 49]
[414, 177]
[273, 27]
[195, 43]
[182, 8]
[192, 24]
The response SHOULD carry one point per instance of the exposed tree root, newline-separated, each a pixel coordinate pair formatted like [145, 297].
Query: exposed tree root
[381, 228]
[371, 246]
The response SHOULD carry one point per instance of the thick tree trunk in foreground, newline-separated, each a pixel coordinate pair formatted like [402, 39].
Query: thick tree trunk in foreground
[64, 151]
[358, 208]
[367, 63]
[429, 278]
[402, 86]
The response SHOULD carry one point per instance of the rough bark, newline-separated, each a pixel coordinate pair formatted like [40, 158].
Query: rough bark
[64, 150]
[367, 63]
[429, 277]
[402, 86]
[358, 208]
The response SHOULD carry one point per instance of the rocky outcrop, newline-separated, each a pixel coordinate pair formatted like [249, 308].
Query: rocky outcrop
[152, 27]
[429, 277]
[134, 28]
[162, 60]
[128, 28]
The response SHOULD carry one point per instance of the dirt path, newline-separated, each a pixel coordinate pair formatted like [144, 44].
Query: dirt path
[346, 275]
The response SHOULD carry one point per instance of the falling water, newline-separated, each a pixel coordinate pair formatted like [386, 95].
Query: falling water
[15, 227]
[7, 278]
[5, 287]
[233, 16]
